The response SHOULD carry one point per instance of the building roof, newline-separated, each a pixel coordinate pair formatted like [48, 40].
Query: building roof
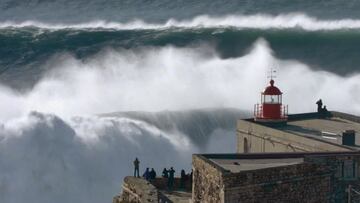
[327, 129]
[271, 89]
[239, 165]
[323, 127]
[243, 162]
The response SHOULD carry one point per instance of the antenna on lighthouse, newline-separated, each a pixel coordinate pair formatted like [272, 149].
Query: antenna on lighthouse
[272, 73]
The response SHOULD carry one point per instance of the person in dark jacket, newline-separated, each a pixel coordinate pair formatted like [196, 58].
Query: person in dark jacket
[183, 178]
[152, 174]
[165, 173]
[319, 104]
[146, 174]
[171, 178]
[136, 167]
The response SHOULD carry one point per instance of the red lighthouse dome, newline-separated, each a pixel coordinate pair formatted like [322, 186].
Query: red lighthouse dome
[271, 109]
[271, 89]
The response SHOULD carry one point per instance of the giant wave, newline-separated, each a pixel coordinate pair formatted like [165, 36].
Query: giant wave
[46, 159]
[87, 86]
[54, 149]
[155, 79]
[315, 42]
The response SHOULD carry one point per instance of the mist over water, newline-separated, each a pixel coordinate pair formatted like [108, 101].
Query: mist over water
[81, 97]
[46, 159]
[50, 138]
[170, 78]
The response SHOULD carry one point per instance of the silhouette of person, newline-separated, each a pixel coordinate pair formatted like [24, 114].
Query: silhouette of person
[165, 173]
[182, 178]
[152, 174]
[136, 167]
[324, 109]
[319, 104]
[171, 178]
[146, 174]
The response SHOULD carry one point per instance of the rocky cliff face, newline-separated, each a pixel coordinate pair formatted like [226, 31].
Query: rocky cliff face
[136, 190]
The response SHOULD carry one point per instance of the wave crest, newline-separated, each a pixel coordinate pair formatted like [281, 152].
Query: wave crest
[257, 21]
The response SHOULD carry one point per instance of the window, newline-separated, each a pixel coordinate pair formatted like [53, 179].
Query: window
[348, 169]
[246, 145]
[272, 99]
[339, 169]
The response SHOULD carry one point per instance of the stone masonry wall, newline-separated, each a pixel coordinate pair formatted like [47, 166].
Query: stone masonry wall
[275, 174]
[265, 139]
[305, 182]
[340, 181]
[306, 189]
[295, 183]
[207, 182]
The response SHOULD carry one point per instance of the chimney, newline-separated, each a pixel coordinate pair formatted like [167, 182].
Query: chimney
[348, 138]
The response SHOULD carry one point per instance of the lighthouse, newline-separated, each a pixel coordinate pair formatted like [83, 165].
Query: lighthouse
[271, 111]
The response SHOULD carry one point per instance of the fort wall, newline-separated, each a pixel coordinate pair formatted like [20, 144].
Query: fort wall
[322, 177]
[306, 182]
[253, 137]
[208, 183]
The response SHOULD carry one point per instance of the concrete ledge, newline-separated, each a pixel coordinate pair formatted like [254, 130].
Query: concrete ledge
[346, 116]
[276, 155]
[313, 115]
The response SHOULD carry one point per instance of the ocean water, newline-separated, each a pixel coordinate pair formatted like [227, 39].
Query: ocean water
[87, 86]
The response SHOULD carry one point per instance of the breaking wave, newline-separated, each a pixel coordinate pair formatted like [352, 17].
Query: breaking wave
[256, 21]
[44, 158]
[170, 78]
[54, 149]
[174, 84]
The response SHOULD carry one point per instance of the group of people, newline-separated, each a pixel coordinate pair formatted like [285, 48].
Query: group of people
[320, 108]
[169, 174]
[149, 175]
[185, 177]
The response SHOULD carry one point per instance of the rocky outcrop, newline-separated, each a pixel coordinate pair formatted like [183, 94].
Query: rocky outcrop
[137, 190]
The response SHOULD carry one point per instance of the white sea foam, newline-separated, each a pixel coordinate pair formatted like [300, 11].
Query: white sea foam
[62, 153]
[257, 21]
[44, 159]
[169, 78]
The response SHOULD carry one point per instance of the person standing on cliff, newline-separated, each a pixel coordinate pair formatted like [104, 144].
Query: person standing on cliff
[136, 167]
[165, 173]
[183, 178]
[171, 178]
[146, 174]
[152, 174]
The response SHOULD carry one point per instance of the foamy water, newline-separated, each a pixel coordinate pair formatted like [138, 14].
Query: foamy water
[54, 149]
[256, 21]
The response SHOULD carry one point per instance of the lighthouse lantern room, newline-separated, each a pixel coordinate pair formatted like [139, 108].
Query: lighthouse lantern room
[271, 109]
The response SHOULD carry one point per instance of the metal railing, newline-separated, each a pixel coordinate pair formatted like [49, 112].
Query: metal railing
[258, 111]
[284, 111]
[353, 193]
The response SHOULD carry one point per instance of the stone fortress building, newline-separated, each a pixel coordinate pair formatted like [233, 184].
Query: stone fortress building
[308, 157]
